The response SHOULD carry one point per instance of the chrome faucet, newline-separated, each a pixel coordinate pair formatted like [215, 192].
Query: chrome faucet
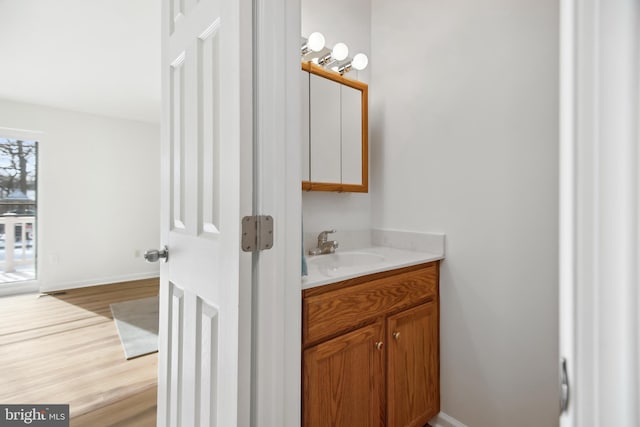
[324, 246]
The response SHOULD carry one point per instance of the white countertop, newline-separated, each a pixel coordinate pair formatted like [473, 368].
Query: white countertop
[325, 269]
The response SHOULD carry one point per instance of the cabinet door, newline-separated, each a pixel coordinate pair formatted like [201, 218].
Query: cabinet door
[351, 135]
[343, 381]
[324, 134]
[304, 125]
[413, 391]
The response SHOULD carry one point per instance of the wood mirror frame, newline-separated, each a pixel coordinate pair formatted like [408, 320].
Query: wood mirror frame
[363, 88]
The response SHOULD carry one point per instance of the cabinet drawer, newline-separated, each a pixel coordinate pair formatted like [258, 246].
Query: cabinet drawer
[326, 314]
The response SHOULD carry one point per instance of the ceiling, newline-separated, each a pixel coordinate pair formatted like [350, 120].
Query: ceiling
[95, 56]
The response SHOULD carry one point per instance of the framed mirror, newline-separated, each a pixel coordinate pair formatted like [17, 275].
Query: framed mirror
[335, 127]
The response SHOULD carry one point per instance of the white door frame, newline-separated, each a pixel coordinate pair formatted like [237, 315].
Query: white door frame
[599, 219]
[276, 375]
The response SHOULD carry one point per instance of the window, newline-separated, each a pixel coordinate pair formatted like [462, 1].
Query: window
[18, 209]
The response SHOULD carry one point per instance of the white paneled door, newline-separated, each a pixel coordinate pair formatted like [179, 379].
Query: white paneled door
[600, 212]
[203, 187]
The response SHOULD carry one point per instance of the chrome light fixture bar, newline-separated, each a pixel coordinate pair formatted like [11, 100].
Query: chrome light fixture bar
[336, 59]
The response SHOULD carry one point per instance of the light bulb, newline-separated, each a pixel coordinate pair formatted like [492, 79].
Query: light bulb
[316, 41]
[360, 61]
[340, 51]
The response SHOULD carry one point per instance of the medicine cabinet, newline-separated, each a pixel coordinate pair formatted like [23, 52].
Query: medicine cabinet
[334, 131]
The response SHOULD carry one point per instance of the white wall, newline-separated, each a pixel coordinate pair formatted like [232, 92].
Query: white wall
[98, 195]
[348, 22]
[465, 142]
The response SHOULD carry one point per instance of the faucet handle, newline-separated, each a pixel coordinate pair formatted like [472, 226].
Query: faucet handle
[322, 237]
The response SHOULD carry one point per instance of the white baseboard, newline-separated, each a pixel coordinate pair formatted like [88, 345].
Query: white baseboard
[444, 420]
[99, 281]
[17, 288]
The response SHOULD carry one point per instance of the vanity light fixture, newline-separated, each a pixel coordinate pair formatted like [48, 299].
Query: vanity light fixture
[324, 61]
[336, 59]
[315, 43]
[338, 53]
[359, 62]
[345, 68]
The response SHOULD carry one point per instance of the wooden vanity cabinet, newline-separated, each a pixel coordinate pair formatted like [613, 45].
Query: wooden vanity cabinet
[371, 350]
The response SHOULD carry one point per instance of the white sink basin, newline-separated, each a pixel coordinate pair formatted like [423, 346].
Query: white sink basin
[344, 265]
[345, 260]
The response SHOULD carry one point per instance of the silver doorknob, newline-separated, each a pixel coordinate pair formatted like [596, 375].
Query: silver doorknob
[153, 255]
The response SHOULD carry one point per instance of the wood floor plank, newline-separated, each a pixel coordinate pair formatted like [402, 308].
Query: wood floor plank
[29, 313]
[139, 410]
[65, 348]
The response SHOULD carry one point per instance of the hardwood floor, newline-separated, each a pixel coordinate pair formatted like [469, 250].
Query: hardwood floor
[64, 348]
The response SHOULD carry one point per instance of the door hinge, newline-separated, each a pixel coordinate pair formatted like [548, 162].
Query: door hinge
[564, 386]
[257, 233]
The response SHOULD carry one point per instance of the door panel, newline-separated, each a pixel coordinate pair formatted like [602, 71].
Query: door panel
[176, 311]
[177, 141]
[209, 132]
[207, 363]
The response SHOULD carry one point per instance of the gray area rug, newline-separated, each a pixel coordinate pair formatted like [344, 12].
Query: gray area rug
[137, 324]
